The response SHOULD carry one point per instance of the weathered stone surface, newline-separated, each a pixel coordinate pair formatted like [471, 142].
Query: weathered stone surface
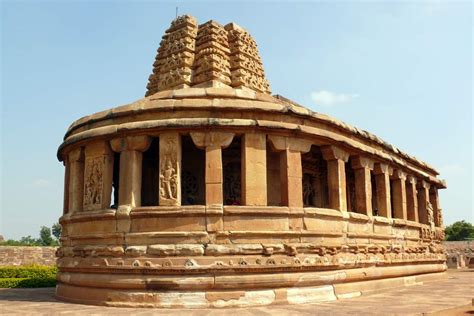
[176, 250]
[227, 196]
[25, 256]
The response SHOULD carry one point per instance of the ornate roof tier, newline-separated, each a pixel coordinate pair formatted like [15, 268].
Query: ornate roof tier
[208, 55]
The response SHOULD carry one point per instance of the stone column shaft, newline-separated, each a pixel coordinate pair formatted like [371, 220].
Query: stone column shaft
[291, 178]
[254, 169]
[382, 183]
[336, 159]
[212, 143]
[213, 176]
[399, 195]
[130, 182]
[434, 200]
[169, 187]
[423, 199]
[412, 200]
[363, 184]
[66, 187]
[75, 162]
[291, 174]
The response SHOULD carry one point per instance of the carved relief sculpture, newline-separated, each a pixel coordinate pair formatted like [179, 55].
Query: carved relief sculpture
[93, 184]
[169, 169]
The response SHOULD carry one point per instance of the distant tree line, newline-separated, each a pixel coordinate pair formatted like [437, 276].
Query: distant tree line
[460, 230]
[47, 237]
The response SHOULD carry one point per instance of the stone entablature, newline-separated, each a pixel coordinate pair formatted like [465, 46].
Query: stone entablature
[202, 190]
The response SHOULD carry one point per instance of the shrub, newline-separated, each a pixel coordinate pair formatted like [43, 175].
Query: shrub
[28, 272]
[27, 282]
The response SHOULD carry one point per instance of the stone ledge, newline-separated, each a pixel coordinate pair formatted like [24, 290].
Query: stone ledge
[382, 220]
[322, 212]
[359, 217]
[256, 210]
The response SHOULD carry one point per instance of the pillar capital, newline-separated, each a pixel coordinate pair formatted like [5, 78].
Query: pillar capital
[77, 154]
[382, 168]
[212, 139]
[294, 144]
[358, 162]
[334, 153]
[399, 175]
[422, 184]
[136, 143]
[411, 179]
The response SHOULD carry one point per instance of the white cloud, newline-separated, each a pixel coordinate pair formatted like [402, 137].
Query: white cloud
[328, 98]
[41, 183]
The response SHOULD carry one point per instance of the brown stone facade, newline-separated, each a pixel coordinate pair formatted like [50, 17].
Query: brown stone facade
[25, 256]
[208, 193]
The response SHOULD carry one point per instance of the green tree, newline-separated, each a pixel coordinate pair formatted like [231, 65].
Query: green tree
[45, 236]
[460, 230]
[56, 230]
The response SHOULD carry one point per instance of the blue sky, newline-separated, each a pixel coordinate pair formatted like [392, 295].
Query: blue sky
[401, 70]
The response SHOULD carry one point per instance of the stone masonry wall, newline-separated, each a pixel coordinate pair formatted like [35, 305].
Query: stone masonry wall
[22, 256]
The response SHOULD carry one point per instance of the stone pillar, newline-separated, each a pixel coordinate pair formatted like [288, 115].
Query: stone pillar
[169, 186]
[98, 171]
[336, 159]
[131, 152]
[412, 200]
[399, 195]
[423, 200]
[382, 182]
[212, 143]
[363, 184]
[66, 186]
[254, 169]
[290, 168]
[75, 170]
[434, 200]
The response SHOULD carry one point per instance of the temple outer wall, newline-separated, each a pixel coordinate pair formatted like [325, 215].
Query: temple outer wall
[25, 256]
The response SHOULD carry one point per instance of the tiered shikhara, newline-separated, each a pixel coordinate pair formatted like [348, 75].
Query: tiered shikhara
[210, 192]
[206, 55]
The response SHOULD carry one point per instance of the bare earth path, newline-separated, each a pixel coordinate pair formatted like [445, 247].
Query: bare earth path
[450, 296]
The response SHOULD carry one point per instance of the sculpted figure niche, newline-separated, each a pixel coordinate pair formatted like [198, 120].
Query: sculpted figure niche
[169, 173]
[93, 182]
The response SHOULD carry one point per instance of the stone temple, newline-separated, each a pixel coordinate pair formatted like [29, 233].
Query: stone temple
[211, 192]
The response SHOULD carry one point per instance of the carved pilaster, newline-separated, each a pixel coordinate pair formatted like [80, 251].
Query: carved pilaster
[423, 200]
[412, 200]
[399, 195]
[213, 143]
[434, 200]
[363, 184]
[382, 181]
[290, 166]
[254, 169]
[131, 151]
[336, 159]
[75, 175]
[169, 188]
[98, 172]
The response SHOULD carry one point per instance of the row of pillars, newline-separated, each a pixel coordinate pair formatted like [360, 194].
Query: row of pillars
[89, 170]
